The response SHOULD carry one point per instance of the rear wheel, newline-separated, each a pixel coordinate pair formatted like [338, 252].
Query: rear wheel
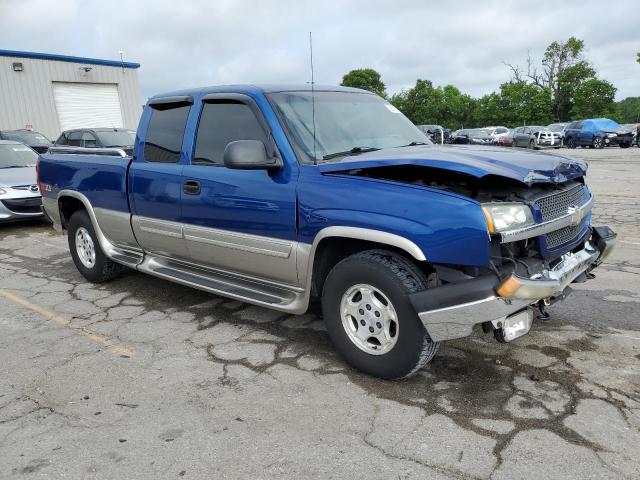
[85, 250]
[369, 316]
[597, 142]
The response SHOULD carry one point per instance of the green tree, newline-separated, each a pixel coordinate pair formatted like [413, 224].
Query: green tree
[365, 78]
[628, 110]
[594, 98]
[425, 104]
[524, 103]
[570, 81]
[563, 70]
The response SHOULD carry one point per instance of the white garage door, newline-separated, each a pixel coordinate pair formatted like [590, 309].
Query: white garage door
[87, 105]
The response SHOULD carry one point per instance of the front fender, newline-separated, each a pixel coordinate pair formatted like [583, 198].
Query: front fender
[446, 228]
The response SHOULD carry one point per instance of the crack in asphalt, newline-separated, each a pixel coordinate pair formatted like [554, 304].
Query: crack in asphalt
[475, 375]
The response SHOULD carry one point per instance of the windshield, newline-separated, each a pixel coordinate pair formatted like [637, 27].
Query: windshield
[12, 156]
[605, 124]
[117, 138]
[344, 121]
[30, 138]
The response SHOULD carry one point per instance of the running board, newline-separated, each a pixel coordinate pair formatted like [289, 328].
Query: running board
[250, 290]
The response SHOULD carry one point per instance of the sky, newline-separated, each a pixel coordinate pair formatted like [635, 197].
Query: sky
[191, 43]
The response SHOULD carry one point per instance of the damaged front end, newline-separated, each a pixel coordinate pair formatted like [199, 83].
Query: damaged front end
[503, 300]
[539, 233]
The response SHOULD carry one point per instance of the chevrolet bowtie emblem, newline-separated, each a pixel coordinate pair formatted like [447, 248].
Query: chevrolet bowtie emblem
[576, 214]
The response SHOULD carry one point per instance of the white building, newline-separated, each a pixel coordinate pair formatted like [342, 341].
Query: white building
[51, 93]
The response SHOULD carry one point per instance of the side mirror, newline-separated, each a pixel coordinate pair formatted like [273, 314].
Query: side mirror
[249, 155]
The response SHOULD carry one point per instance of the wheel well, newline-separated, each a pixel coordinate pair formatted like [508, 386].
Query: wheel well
[68, 206]
[332, 250]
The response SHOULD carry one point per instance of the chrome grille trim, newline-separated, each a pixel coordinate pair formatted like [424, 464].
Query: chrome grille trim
[566, 220]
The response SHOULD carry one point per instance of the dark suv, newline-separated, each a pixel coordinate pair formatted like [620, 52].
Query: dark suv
[597, 133]
[98, 138]
[35, 140]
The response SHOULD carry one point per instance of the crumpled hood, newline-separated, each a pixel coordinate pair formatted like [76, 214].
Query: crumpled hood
[10, 177]
[522, 165]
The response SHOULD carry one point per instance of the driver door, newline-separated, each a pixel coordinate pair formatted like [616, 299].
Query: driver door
[238, 220]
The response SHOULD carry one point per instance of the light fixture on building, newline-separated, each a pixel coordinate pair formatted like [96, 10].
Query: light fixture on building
[86, 69]
[17, 67]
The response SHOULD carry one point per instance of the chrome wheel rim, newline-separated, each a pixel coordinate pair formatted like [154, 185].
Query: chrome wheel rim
[596, 142]
[85, 248]
[369, 319]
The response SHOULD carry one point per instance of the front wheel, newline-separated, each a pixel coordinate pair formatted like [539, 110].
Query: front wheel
[597, 142]
[86, 252]
[369, 317]
[571, 143]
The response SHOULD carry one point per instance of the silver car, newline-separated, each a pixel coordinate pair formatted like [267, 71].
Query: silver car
[19, 194]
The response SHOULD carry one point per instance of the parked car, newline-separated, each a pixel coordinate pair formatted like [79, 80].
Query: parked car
[436, 133]
[597, 133]
[35, 140]
[19, 193]
[536, 137]
[98, 138]
[635, 129]
[505, 140]
[559, 128]
[406, 243]
[496, 132]
[472, 136]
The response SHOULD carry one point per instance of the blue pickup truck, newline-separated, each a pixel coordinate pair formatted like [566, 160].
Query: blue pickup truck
[279, 195]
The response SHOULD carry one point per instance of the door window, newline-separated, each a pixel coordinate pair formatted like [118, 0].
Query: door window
[223, 122]
[165, 133]
[88, 140]
[75, 139]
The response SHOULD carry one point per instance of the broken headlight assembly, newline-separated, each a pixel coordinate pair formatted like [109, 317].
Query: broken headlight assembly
[507, 216]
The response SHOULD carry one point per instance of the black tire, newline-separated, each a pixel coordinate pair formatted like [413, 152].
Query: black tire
[532, 144]
[396, 277]
[597, 142]
[625, 145]
[571, 143]
[103, 269]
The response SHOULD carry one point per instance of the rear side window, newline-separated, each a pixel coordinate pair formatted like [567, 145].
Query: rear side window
[221, 123]
[74, 139]
[165, 133]
[62, 140]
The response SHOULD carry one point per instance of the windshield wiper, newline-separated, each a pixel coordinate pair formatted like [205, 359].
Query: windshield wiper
[414, 144]
[354, 150]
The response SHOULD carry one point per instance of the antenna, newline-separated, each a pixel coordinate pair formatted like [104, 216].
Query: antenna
[313, 99]
[121, 52]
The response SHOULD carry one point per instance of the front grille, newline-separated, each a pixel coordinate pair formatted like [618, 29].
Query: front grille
[24, 205]
[556, 205]
[564, 235]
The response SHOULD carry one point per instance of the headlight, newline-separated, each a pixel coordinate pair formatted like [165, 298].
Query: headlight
[610, 135]
[506, 216]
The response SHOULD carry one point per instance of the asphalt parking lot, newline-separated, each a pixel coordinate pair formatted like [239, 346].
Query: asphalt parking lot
[141, 378]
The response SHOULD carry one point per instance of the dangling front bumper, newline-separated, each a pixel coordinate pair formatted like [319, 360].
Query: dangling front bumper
[451, 311]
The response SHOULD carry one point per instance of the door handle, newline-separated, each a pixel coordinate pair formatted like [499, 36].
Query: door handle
[191, 187]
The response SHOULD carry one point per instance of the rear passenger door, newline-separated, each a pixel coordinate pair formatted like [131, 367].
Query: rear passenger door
[155, 177]
[238, 220]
